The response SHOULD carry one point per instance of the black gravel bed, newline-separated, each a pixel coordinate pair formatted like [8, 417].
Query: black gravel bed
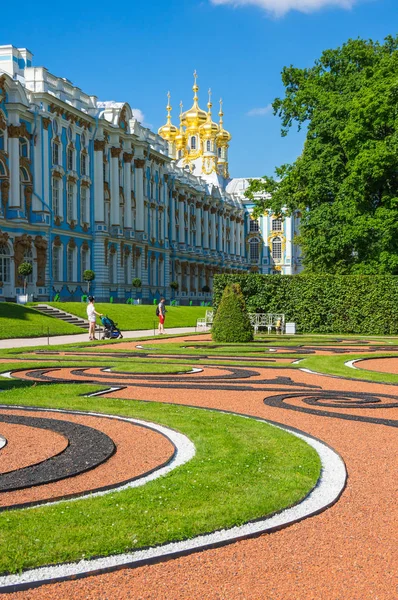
[233, 373]
[87, 448]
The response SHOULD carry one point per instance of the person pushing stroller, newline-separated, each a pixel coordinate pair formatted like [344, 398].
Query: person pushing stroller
[92, 318]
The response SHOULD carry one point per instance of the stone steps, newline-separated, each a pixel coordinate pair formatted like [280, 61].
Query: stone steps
[50, 311]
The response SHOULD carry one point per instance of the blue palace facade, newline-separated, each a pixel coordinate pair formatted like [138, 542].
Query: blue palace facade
[84, 185]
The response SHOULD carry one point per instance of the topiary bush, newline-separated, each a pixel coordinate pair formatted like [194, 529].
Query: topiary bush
[231, 322]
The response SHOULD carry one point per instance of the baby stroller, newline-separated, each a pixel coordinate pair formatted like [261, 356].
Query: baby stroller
[110, 329]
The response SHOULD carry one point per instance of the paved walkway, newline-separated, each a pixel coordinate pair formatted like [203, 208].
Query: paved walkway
[83, 337]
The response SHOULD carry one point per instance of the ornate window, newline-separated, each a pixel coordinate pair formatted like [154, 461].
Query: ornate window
[112, 267]
[70, 192]
[56, 196]
[83, 140]
[193, 143]
[85, 262]
[56, 263]
[219, 153]
[277, 224]
[23, 148]
[254, 246]
[180, 154]
[70, 265]
[83, 164]
[254, 227]
[127, 269]
[70, 159]
[276, 248]
[208, 146]
[70, 134]
[5, 264]
[84, 204]
[55, 153]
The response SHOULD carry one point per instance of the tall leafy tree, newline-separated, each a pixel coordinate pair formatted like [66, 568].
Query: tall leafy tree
[345, 183]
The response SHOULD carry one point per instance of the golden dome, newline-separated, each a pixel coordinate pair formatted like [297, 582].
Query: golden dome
[168, 131]
[180, 139]
[209, 129]
[195, 116]
[223, 137]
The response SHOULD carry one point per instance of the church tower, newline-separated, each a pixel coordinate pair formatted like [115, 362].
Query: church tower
[169, 131]
[223, 138]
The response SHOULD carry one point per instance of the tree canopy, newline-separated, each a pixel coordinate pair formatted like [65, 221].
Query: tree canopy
[345, 183]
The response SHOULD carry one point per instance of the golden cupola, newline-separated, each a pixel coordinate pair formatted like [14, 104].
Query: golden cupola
[209, 129]
[223, 137]
[181, 139]
[193, 118]
[168, 131]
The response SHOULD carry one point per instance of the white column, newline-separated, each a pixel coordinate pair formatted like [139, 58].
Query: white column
[189, 235]
[139, 193]
[46, 169]
[198, 225]
[13, 151]
[232, 236]
[99, 146]
[238, 236]
[173, 215]
[220, 233]
[205, 227]
[242, 237]
[115, 195]
[127, 189]
[213, 230]
[181, 220]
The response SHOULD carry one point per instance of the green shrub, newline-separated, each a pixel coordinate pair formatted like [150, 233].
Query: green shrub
[231, 322]
[343, 304]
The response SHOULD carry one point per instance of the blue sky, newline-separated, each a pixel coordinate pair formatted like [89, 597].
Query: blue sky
[136, 52]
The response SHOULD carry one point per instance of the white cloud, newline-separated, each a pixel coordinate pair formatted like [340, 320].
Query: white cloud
[260, 112]
[138, 114]
[278, 8]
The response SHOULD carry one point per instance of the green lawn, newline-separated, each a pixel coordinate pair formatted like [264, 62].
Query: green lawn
[18, 321]
[130, 317]
[242, 470]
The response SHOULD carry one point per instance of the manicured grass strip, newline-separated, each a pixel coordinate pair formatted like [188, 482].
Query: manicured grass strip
[131, 318]
[334, 365]
[243, 469]
[18, 321]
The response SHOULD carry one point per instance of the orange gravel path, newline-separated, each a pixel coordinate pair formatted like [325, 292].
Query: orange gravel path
[348, 552]
[382, 365]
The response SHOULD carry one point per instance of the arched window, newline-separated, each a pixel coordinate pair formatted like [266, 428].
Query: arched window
[277, 224]
[180, 154]
[254, 227]
[70, 201]
[83, 164]
[5, 264]
[193, 143]
[276, 248]
[254, 246]
[127, 269]
[208, 145]
[219, 153]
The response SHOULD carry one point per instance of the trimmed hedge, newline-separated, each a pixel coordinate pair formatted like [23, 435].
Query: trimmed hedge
[231, 323]
[357, 304]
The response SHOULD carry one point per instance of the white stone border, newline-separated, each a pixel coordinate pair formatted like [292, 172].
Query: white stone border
[327, 491]
[350, 363]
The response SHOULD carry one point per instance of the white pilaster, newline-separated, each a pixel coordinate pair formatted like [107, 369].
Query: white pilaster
[139, 193]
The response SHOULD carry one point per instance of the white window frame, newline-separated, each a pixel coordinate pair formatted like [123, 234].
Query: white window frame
[5, 264]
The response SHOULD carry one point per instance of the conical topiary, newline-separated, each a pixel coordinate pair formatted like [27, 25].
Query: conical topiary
[231, 322]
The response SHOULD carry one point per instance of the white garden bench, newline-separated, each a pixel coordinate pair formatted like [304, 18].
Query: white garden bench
[205, 323]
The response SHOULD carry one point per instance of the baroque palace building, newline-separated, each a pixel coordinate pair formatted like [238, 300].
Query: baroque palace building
[84, 185]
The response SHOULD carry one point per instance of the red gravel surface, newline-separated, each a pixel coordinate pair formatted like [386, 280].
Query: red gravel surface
[382, 365]
[138, 450]
[348, 552]
[28, 446]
